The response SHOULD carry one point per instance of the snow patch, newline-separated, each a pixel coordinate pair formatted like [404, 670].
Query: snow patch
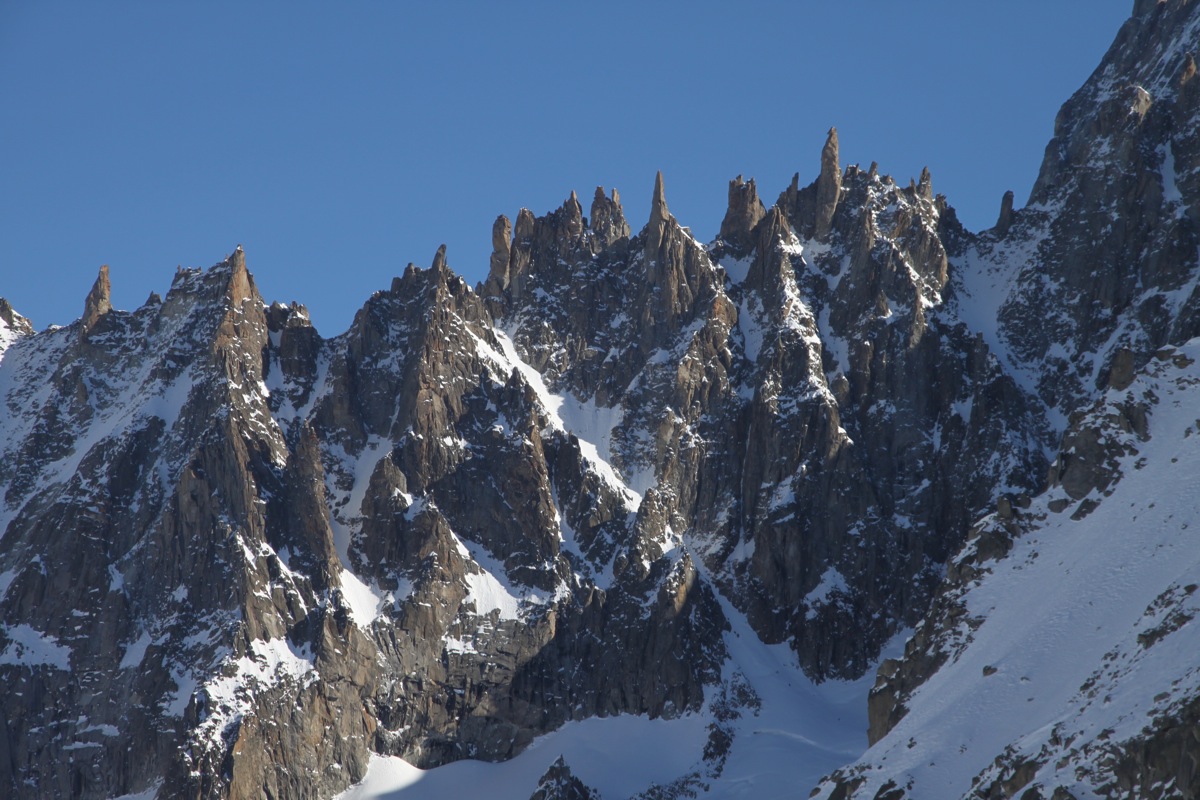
[28, 647]
[619, 756]
[592, 425]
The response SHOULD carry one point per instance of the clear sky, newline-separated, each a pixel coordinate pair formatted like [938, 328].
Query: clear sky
[339, 142]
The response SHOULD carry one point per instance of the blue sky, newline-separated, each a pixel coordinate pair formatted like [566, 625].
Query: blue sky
[337, 147]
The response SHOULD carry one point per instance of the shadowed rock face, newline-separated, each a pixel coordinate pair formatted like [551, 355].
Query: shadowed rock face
[238, 557]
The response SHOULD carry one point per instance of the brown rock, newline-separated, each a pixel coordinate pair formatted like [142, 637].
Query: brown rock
[501, 252]
[829, 185]
[1006, 214]
[744, 212]
[97, 303]
[608, 218]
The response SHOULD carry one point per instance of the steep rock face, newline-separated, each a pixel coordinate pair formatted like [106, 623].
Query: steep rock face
[1116, 716]
[154, 423]
[1104, 256]
[726, 397]
[12, 326]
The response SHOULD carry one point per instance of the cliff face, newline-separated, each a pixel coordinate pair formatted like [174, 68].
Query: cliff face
[238, 558]
[1092, 288]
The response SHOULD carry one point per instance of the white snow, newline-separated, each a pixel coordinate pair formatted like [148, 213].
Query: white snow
[592, 425]
[831, 581]
[751, 325]
[486, 591]
[365, 601]
[32, 648]
[803, 730]
[230, 693]
[8, 336]
[737, 268]
[490, 590]
[148, 794]
[800, 732]
[136, 651]
[1171, 194]
[6, 579]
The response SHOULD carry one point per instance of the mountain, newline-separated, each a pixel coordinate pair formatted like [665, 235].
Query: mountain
[641, 515]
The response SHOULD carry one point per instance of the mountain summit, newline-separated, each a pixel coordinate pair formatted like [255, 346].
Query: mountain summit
[641, 515]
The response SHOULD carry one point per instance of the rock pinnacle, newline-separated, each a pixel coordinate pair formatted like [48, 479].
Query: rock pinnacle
[829, 185]
[98, 303]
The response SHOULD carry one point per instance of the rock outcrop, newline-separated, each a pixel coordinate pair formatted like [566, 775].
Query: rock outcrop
[559, 784]
[829, 185]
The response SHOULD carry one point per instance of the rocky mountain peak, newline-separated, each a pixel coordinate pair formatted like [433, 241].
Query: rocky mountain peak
[573, 221]
[925, 184]
[1005, 220]
[1123, 148]
[659, 215]
[829, 185]
[241, 559]
[10, 319]
[744, 212]
[98, 301]
[608, 218]
[497, 279]
[439, 260]
[558, 783]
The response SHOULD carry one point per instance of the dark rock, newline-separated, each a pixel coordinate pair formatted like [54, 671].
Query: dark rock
[497, 280]
[1004, 223]
[559, 784]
